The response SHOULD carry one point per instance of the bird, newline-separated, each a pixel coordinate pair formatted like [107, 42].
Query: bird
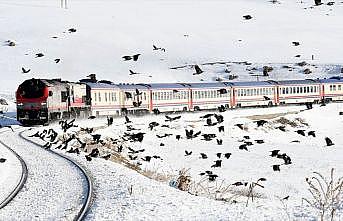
[259, 141]
[285, 198]
[247, 17]
[152, 125]
[239, 183]
[154, 48]
[178, 137]
[91, 117]
[295, 43]
[72, 30]
[25, 71]
[246, 137]
[133, 73]
[39, 55]
[222, 91]
[172, 118]
[282, 128]
[212, 177]
[243, 147]
[221, 128]
[162, 144]
[88, 158]
[276, 167]
[240, 126]
[127, 120]
[227, 155]
[261, 122]
[274, 153]
[197, 70]
[133, 157]
[219, 141]
[301, 132]
[133, 57]
[2, 160]
[328, 141]
[146, 158]
[106, 157]
[203, 156]
[128, 95]
[96, 137]
[57, 60]
[188, 153]
[219, 155]
[311, 133]
[136, 104]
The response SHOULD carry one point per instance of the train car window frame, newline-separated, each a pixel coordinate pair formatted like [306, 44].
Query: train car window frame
[99, 96]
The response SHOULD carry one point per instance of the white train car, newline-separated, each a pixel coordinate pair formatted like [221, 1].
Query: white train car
[209, 95]
[3, 106]
[332, 89]
[169, 97]
[134, 98]
[257, 93]
[104, 99]
[299, 91]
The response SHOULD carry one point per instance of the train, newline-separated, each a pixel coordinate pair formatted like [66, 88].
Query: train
[40, 101]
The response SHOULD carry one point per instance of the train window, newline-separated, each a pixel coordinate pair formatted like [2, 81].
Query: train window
[99, 97]
[105, 96]
[339, 87]
[290, 90]
[308, 89]
[301, 90]
[305, 90]
[330, 87]
[334, 87]
[311, 89]
[64, 96]
[298, 90]
[283, 91]
[144, 95]
[94, 96]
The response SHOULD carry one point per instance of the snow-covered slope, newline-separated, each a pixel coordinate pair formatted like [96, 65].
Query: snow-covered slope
[190, 31]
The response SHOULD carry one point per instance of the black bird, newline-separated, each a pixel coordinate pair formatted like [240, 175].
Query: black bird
[138, 93]
[135, 57]
[219, 118]
[57, 60]
[72, 30]
[91, 117]
[296, 43]
[248, 143]
[133, 157]
[240, 126]
[276, 167]
[207, 116]
[197, 70]
[47, 145]
[38, 55]
[128, 95]
[25, 71]
[261, 122]
[203, 156]
[188, 153]
[328, 141]
[208, 137]
[274, 153]
[227, 155]
[172, 118]
[164, 135]
[282, 128]
[246, 137]
[221, 128]
[285, 198]
[162, 144]
[259, 141]
[219, 155]
[2, 160]
[311, 133]
[247, 17]
[178, 137]
[266, 98]
[127, 120]
[156, 111]
[133, 73]
[222, 91]
[219, 141]
[301, 132]
[157, 157]
[243, 147]
[158, 48]
[221, 108]
[106, 157]
[239, 183]
[137, 104]
[146, 158]
[96, 137]
[153, 124]
[88, 158]
[287, 160]
[94, 153]
[212, 177]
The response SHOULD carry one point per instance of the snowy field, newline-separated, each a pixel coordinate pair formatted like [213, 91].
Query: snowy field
[212, 34]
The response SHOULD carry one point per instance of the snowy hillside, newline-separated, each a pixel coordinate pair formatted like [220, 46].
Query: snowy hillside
[192, 32]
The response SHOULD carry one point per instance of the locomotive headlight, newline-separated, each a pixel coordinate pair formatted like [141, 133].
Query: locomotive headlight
[43, 104]
[20, 104]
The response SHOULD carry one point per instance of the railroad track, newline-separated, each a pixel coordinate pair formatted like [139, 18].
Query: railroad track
[87, 202]
[22, 180]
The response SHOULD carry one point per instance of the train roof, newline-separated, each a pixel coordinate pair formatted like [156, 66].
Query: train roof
[168, 86]
[101, 85]
[133, 86]
[208, 85]
[336, 79]
[252, 83]
[292, 82]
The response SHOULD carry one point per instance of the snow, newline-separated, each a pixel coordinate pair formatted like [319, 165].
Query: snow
[108, 30]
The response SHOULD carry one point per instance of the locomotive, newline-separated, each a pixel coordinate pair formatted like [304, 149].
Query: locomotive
[42, 100]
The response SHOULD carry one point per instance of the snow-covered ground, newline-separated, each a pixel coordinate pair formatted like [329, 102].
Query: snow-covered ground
[309, 154]
[190, 31]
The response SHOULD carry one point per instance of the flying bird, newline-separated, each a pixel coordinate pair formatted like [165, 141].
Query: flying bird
[39, 55]
[57, 60]
[188, 153]
[247, 17]
[25, 71]
[197, 70]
